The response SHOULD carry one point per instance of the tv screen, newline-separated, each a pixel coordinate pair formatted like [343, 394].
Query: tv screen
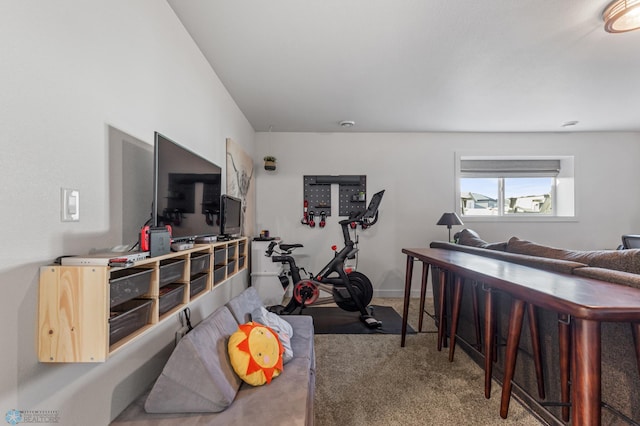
[231, 216]
[186, 191]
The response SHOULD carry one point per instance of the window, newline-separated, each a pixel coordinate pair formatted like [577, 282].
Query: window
[515, 187]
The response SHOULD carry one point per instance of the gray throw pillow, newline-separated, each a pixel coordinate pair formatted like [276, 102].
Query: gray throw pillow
[243, 304]
[280, 326]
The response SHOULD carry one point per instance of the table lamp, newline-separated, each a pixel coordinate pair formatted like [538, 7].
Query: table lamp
[450, 219]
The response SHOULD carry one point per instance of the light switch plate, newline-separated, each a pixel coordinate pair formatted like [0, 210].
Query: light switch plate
[69, 205]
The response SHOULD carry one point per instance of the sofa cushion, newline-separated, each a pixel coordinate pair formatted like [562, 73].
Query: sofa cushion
[302, 341]
[289, 400]
[619, 260]
[555, 265]
[469, 237]
[243, 304]
[617, 277]
[198, 376]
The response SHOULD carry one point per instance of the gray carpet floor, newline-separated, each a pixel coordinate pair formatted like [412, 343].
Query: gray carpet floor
[368, 379]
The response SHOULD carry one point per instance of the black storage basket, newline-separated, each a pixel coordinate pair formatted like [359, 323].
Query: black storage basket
[171, 270]
[128, 317]
[199, 263]
[198, 284]
[171, 296]
[127, 284]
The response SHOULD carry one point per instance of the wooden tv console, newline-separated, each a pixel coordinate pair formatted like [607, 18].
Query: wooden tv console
[75, 303]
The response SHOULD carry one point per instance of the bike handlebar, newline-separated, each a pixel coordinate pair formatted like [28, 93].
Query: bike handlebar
[269, 250]
[373, 221]
[360, 220]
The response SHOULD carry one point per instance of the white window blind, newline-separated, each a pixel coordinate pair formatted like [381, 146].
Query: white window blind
[509, 168]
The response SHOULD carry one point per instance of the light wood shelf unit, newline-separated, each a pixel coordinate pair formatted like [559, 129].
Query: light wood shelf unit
[74, 301]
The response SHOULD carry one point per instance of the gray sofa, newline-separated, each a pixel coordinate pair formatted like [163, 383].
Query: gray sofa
[199, 387]
[620, 369]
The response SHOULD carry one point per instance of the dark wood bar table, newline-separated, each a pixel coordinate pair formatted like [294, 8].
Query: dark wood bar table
[587, 302]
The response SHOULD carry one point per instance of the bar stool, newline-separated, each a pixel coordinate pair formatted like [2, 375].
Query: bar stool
[516, 317]
[490, 343]
[442, 288]
[564, 343]
[513, 340]
[635, 331]
[423, 293]
[489, 340]
[457, 296]
[458, 287]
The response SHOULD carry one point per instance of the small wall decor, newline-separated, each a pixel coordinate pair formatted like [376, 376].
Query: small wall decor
[269, 162]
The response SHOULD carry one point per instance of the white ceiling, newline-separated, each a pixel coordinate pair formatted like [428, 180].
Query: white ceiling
[420, 65]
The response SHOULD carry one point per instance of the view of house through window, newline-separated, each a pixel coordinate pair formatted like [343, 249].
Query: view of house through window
[497, 186]
[490, 196]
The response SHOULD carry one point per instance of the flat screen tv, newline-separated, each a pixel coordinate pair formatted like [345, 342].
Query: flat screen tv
[230, 217]
[186, 191]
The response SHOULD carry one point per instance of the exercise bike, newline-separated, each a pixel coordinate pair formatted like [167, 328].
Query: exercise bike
[350, 290]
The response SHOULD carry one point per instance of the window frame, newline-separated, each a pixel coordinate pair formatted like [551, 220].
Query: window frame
[563, 205]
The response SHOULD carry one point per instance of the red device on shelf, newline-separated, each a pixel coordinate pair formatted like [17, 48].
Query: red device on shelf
[144, 235]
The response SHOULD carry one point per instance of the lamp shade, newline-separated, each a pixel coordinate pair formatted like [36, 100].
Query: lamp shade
[621, 16]
[450, 219]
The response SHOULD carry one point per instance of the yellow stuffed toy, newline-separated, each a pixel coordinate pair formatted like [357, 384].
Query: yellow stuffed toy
[255, 353]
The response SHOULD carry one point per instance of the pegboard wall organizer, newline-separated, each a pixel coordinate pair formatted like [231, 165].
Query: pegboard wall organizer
[352, 193]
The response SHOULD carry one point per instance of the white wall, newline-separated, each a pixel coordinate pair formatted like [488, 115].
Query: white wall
[70, 72]
[417, 171]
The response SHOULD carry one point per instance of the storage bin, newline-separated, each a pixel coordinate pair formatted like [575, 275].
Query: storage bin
[219, 274]
[171, 270]
[220, 256]
[171, 296]
[128, 317]
[199, 263]
[232, 251]
[241, 261]
[231, 267]
[241, 249]
[129, 283]
[198, 284]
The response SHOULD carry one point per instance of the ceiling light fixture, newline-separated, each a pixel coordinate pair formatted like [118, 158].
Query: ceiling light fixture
[347, 123]
[622, 16]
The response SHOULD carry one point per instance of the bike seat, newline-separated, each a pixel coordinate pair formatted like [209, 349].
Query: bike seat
[288, 247]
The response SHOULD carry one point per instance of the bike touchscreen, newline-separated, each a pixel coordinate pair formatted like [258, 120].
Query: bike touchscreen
[372, 209]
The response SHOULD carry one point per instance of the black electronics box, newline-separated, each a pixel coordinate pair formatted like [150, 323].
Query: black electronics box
[159, 241]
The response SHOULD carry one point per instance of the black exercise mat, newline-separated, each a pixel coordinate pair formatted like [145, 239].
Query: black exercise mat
[333, 320]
